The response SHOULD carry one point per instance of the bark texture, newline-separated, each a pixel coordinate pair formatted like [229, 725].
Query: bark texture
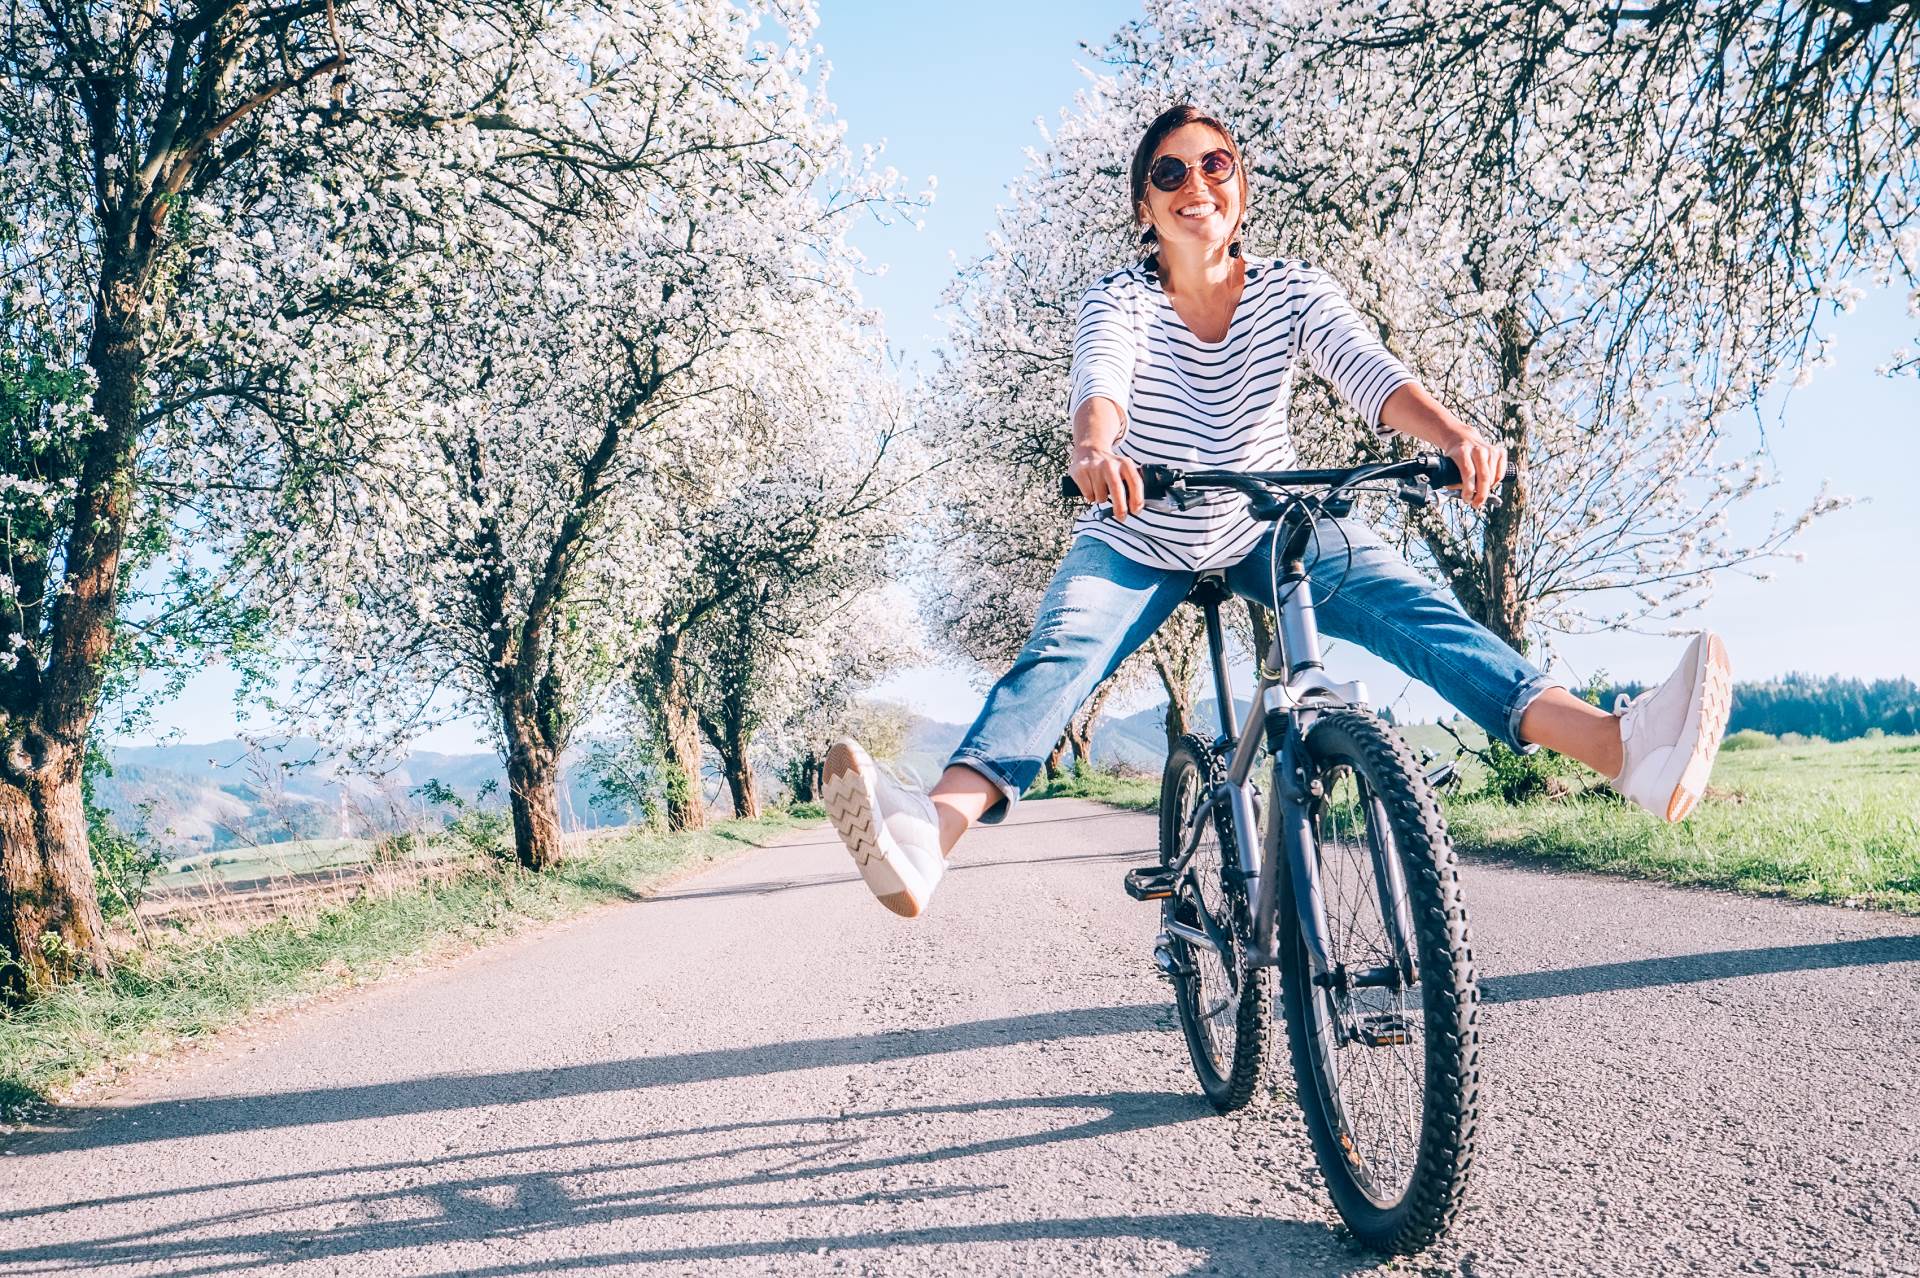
[147, 137]
[677, 721]
[533, 776]
[52, 929]
[1056, 755]
[1177, 653]
[741, 785]
[46, 876]
[1079, 734]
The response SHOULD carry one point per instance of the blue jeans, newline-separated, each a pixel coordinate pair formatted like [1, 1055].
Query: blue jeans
[1101, 606]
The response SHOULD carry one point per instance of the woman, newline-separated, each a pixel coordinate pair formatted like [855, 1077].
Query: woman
[1187, 359]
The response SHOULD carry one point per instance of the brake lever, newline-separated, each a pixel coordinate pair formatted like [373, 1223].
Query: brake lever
[1418, 493]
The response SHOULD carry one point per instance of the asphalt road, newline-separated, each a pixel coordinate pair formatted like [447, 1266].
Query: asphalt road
[765, 1072]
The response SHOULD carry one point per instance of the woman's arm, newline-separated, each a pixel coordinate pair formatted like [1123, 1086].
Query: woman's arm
[1411, 411]
[1104, 475]
[1346, 351]
[1103, 356]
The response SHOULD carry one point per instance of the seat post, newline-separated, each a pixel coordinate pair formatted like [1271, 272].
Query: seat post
[1209, 593]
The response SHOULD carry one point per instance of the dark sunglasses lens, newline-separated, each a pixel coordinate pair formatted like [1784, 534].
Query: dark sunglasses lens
[1168, 172]
[1217, 165]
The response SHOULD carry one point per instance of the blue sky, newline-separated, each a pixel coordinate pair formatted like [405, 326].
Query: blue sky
[955, 92]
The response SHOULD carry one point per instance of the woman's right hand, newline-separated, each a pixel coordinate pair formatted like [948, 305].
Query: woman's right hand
[1107, 476]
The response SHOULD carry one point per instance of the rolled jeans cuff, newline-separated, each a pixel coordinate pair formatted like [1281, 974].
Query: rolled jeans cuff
[1009, 793]
[1517, 708]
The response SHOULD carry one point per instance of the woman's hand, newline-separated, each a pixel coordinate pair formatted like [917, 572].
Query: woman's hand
[1109, 477]
[1411, 411]
[1482, 465]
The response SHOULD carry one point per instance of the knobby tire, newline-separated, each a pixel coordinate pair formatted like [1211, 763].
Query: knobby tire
[1448, 1004]
[1193, 762]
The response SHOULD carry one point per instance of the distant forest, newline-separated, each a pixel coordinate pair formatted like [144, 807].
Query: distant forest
[1818, 706]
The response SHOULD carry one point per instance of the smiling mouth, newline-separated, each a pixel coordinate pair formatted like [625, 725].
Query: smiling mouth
[1198, 210]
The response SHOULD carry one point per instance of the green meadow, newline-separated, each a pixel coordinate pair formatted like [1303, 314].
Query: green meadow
[1809, 819]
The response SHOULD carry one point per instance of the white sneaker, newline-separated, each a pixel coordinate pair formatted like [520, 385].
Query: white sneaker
[891, 829]
[1669, 735]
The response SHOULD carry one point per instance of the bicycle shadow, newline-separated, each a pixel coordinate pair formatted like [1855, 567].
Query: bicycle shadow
[1689, 969]
[444, 1202]
[66, 1128]
[767, 886]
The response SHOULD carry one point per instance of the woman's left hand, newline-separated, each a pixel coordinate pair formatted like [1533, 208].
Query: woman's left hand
[1482, 466]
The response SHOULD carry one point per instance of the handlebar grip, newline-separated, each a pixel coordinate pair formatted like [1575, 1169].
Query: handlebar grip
[1157, 480]
[1444, 472]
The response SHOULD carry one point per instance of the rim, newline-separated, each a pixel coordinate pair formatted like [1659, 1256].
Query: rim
[1369, 1042]
[1209, 989]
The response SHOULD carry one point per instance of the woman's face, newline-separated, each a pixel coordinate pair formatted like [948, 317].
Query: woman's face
[1198, 212]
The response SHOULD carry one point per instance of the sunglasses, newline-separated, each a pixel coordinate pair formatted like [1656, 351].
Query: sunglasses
[1169, 172]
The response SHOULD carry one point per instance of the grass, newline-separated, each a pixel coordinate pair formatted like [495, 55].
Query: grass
[1820, 821]
[188, 983]
[266, 860]
[1140, 793]
[1811, 820]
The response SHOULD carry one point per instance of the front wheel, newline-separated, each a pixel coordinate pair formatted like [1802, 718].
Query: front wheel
[1385, 1047]
[1224, 1006]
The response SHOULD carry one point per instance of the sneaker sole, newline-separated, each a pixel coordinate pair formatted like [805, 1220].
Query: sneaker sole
[849, 802]
[1716, 702]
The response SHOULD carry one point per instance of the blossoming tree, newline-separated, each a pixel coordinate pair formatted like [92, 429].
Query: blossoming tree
[773, 612]
[504, 534]
[1515, 276]
[226, 231]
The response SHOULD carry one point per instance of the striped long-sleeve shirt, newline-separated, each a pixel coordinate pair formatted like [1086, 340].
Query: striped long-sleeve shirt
[1190, 403]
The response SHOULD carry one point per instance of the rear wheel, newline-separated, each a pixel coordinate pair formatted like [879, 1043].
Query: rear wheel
[1225, 1008]
[1385, 1050]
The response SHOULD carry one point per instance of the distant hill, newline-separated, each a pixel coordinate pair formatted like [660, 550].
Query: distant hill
[1135, 742]
[195, 798]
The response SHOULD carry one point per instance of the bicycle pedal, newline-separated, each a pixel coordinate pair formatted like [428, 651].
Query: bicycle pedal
[1149, 883]
[1384, 1029]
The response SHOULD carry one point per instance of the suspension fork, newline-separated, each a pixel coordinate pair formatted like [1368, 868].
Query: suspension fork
[1290, 842]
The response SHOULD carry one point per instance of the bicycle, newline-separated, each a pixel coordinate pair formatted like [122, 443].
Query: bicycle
[1350, 891]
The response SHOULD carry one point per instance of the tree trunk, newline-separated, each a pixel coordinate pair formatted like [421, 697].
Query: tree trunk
[533, 774]
[678, 723]
[740, 783]
[1508, 610]
[803, 774]
[1080, 727]
[1176, 657]
[46, 875]
[1055, 755]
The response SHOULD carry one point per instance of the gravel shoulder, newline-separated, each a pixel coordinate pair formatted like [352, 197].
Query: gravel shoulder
[762, 1071]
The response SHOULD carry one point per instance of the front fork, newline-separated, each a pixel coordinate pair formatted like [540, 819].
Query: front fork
[1290, 835]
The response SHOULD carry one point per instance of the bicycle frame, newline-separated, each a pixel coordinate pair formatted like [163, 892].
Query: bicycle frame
[1293, 679]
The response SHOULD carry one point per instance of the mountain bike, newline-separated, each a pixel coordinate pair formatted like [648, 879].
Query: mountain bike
[1340, 874]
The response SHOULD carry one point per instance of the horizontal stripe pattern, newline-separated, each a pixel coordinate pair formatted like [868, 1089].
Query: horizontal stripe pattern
[1223, 405]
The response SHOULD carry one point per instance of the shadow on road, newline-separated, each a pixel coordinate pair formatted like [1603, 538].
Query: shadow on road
[1688, 969]
[82, 1128]
[489, 1195]
[761, 887]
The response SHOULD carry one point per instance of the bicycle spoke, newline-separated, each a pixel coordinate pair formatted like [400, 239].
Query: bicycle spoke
[1374, 1045]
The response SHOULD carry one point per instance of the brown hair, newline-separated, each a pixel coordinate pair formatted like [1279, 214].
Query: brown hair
[1163, 124]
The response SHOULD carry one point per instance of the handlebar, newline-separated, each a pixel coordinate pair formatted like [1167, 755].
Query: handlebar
[1160, 481]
